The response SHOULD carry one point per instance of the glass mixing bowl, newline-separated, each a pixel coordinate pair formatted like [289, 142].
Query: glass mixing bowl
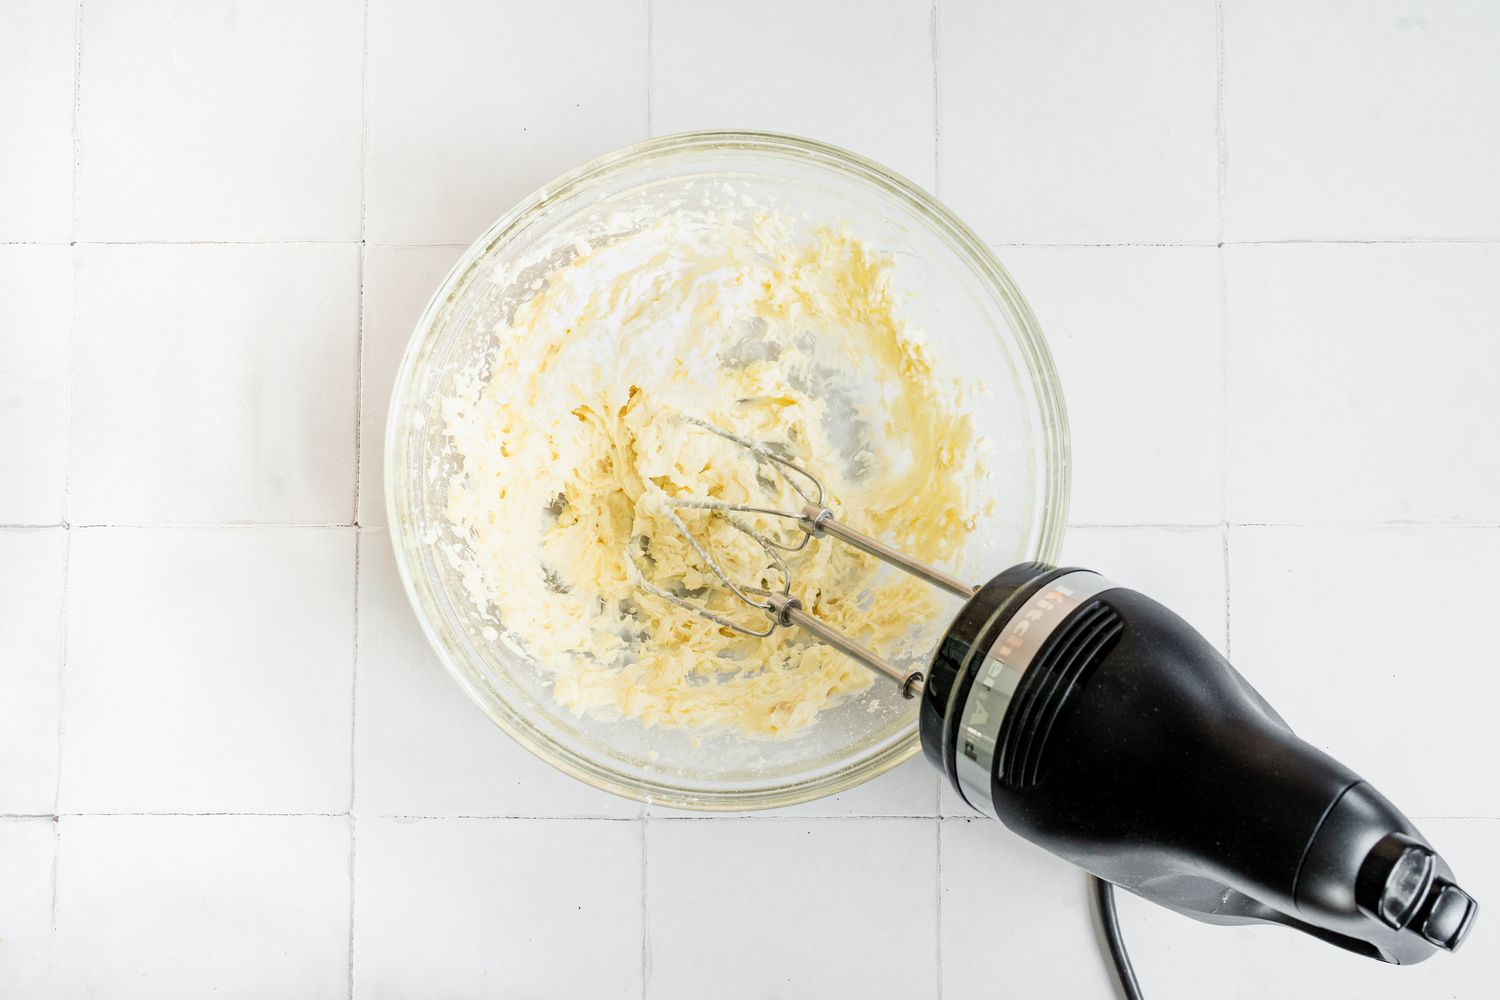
[954, 290]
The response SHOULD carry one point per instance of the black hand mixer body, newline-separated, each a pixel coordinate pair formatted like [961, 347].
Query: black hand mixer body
[1096, 723]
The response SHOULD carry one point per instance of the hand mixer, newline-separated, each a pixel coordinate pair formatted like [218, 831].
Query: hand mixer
[1099, 725]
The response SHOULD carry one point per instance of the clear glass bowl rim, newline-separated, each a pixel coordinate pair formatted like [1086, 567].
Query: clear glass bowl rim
[961, 239]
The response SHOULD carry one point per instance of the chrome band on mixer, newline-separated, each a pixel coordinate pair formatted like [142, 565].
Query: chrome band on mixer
[999, 674]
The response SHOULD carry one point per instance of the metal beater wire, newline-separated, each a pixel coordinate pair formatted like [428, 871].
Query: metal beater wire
[813, 520]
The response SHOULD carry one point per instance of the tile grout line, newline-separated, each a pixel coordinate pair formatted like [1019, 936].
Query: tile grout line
[1084, 525]
[359, 384]
[1171, 525]
[189, 525]
[1220, 133]
[1228, 613]
[995, 245]
[503, 817]
[192, 243]
[352, 826]
[77, 105]
[645, 819]
[353, 738]
[1224, 402]
[539, 818]
[72, 288]
[62, 664]
[1221, 142]
[52, 937]
[1399, 241]
[359, 338]
[62, 611]
[1372, 525]
[359, 410]
[354, 676]
[416, 245]
[938, 889]
[181, 815]
[937, 104]
[364, 123]
[650, 71]
[72, 355]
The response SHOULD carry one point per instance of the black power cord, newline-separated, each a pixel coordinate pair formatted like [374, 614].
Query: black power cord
[1109, 926]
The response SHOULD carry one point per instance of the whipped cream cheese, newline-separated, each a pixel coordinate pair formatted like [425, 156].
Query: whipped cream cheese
[570, 433]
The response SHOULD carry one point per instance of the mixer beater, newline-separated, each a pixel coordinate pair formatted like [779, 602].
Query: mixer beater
[1096, 723]
[814, 520]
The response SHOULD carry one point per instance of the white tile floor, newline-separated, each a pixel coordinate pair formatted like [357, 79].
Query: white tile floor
[446, 908]
[36, 295]
[831, 907]
[208, 670]
[28, 852]
[1364, 380]
[31, 635]
[398, 282]
[214, 384]
[1360, 120]
[766, 70]
[472, 104]
[219, 121]
[228, 906]
[1078, 121]
[38, 48]
[1262, 238]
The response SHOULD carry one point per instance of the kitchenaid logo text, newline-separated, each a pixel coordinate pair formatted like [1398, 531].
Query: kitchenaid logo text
[1016, 630]
[994, 666]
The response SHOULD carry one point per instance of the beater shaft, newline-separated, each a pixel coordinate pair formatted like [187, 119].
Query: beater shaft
[820, 521]
[788, 611]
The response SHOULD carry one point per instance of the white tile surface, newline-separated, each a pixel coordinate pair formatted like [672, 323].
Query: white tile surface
[1175, 956]
[398, 282]
[37, 47]
[1137, 338]
[1363, 383]
[1015, 919]
[208, 670]
[36, 319]
[31, 623]
[1079, 122]
[220, 121]
[486, 908]
[910, 789]
[857, 74]
[213, 669]
[473, 105]
[1361, 120]
[760, 908]
[215, 384]
[154, 907]
[422, 748]
[1182, 568]
[26, 855]
[1335, 628]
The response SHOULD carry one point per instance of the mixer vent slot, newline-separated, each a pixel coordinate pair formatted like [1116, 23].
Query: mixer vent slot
[1048, 688]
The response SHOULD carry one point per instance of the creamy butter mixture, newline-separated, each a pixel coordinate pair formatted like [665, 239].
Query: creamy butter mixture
[570, 432]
